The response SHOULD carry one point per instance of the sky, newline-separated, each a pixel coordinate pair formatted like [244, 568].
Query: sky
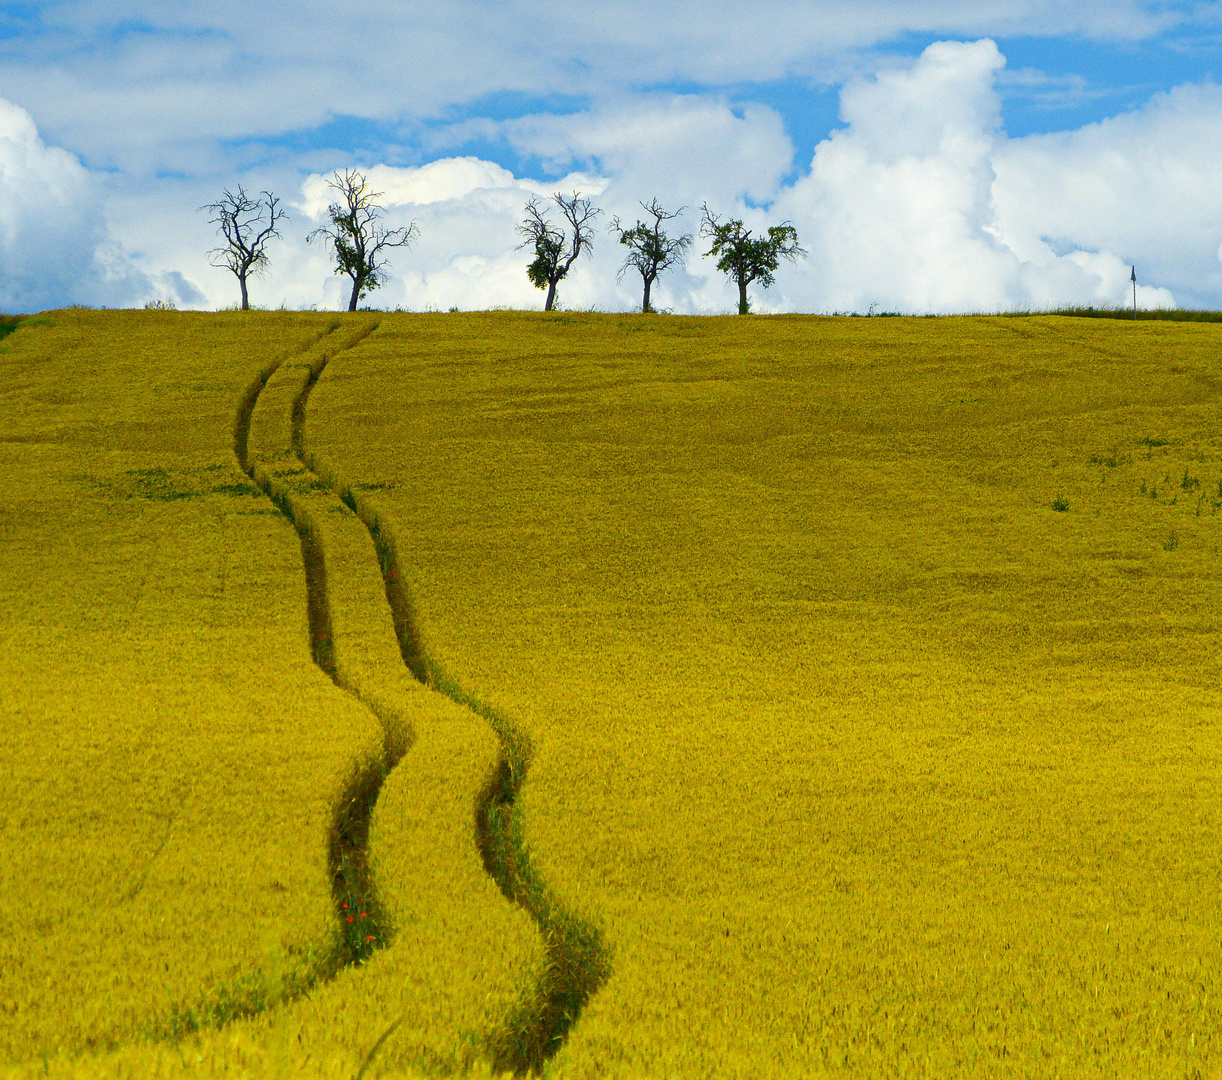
[934, 156]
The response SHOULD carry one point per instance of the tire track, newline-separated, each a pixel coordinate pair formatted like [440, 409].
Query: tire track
[577, 960]
[254, 993]
[363, 925]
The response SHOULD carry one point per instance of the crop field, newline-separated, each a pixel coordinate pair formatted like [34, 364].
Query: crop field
[612, 696]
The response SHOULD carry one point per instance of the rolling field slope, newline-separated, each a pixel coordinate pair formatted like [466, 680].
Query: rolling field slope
[187, 841]
[870, 668]
[395, 695]
[170, 751]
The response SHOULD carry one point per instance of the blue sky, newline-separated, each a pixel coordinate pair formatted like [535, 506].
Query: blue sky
[1052, 84]
[162, 103]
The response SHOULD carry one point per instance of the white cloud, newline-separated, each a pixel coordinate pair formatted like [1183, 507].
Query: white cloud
[1144, 185]
[447, 180]
[679, 148]
[904, 207]
[54, 245]
[155, 85]
[439, 181]
[918, 202]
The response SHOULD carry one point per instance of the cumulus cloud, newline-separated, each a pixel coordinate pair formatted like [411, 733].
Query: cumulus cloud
[1143, 185]
[674, 147]
[467, 255]
[54, 245]
[132, 82]
[920, 203]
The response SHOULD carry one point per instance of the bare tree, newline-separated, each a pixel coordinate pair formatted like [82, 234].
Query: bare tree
[555, 251]
[246, 224]
[650, 250]
[744, 259]
[356, 234]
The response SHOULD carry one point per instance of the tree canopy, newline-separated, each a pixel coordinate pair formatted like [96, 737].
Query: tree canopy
[555, 249]
[650, 250]
[744, 258]
[357, 235]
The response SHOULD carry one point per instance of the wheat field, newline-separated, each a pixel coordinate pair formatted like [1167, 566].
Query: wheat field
[783, 696]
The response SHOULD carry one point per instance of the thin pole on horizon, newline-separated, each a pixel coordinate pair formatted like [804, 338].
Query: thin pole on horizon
[1133, 278]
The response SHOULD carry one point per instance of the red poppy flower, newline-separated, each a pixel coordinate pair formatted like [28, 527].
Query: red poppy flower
[350, 918]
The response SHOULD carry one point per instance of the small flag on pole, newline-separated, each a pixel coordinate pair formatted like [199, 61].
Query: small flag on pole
[1133, 279]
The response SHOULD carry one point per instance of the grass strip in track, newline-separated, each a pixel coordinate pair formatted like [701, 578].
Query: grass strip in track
[254, 993]
[362, 925]
[578, 960]
[450, 1029]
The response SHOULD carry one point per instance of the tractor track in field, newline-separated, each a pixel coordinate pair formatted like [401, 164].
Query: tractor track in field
[252, 994]
[362, 923]
[578, 961]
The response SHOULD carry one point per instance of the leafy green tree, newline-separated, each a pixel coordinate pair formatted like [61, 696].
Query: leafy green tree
[650, 250]
[555, 251]
[246, 223]
[745, 259]
[356, 234]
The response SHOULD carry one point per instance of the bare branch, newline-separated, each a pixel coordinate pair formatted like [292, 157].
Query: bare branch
[650, 250]
[579, 213]
[241, 222]
[555, 251]
[356, 235]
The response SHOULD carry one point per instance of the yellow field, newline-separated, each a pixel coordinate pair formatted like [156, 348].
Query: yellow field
[159, 837]
[178, 769]
[865, 756]
[839, 696]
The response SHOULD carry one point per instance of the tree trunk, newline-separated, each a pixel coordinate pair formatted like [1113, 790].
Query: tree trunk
[356, 293]
[245, 301]
[551, 296]
[743, 309]
[645, 308]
